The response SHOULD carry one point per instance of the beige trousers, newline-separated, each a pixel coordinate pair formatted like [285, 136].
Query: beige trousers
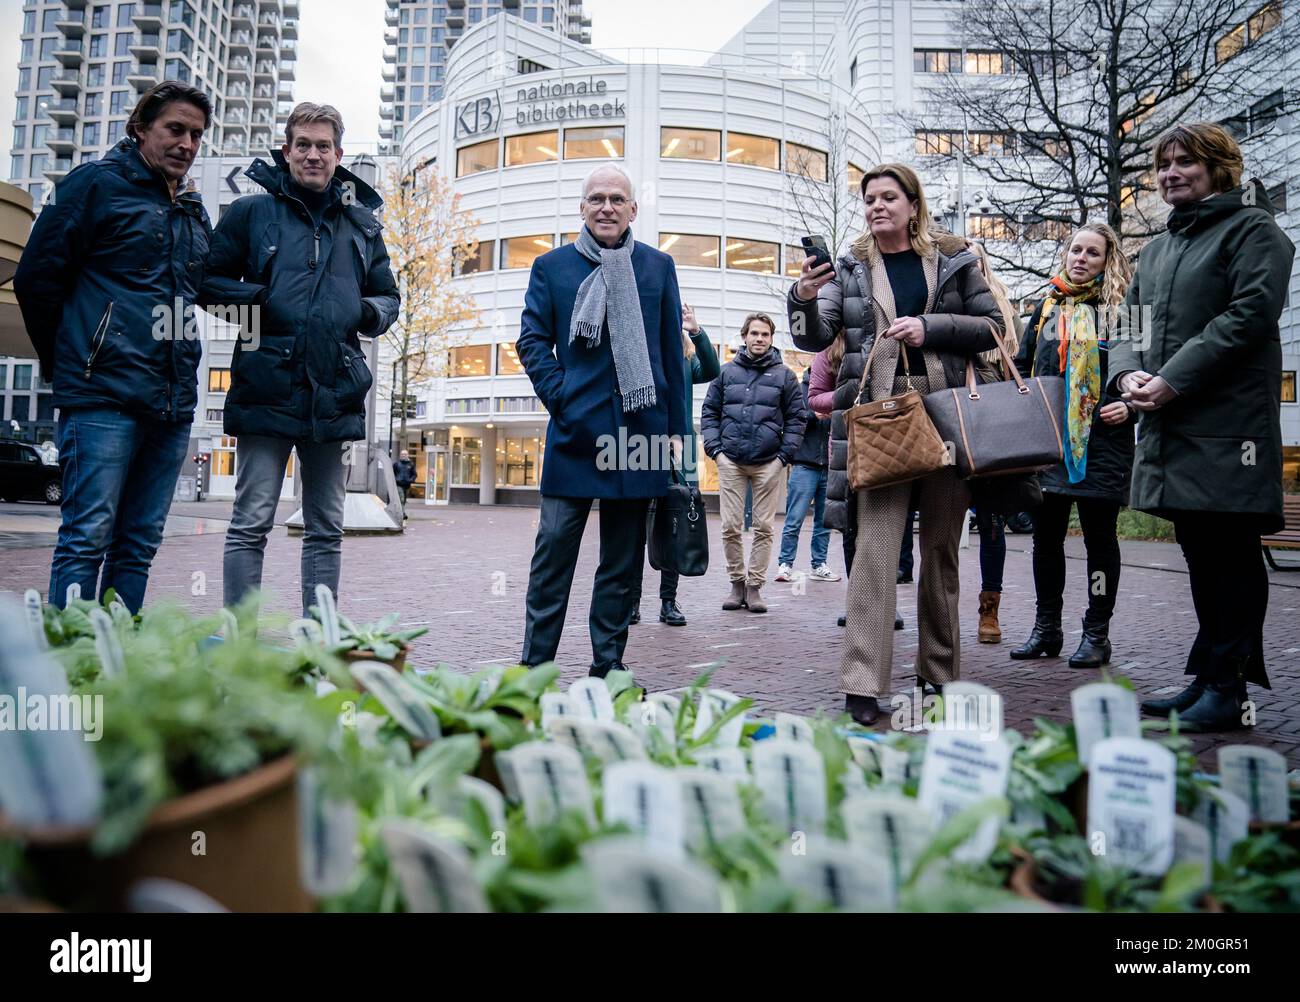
[733, 478]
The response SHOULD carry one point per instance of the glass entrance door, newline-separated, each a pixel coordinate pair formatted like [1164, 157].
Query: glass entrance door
[439, 491]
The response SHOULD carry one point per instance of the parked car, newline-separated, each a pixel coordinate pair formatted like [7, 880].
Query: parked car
[25, 474]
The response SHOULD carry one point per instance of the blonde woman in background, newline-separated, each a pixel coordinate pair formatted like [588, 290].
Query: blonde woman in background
[1067, 336]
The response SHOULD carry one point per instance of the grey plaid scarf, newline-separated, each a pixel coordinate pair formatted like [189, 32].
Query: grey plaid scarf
[610, 294]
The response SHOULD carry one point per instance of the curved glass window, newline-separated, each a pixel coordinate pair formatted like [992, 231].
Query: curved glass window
[605, 143]
[690, 144]
[532, 148]
[806, 161]
[690, 250]
[753, 151]
[752, 255]
[477, 158]
[521, 252]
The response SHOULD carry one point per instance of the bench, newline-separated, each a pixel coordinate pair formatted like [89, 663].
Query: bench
[1289, 537]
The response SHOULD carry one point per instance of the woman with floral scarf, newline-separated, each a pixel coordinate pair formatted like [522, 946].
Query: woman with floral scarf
[1067, 336]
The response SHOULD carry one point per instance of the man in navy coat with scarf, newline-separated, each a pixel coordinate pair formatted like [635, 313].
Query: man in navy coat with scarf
[600, 338]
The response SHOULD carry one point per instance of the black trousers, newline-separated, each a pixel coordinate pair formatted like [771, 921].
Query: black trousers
[1098, 520]
[559, 537]
[1229, 585]
[667, 581]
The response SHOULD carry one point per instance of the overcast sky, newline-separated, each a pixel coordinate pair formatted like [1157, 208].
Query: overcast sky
[340, 49]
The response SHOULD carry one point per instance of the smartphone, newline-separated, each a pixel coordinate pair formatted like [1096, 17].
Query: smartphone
[816, 247]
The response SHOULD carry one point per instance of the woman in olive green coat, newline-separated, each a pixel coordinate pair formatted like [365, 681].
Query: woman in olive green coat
[1204, 370]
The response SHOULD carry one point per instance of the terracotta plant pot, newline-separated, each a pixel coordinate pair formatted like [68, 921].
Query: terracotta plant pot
[398, 663]
[1024, 882]
[1289, 831]
[250, 863]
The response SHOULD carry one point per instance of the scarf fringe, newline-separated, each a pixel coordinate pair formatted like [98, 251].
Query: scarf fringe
[642, 396]
[589, 332]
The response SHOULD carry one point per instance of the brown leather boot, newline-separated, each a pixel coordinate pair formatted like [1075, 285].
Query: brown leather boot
[753, 600]
[990, 631]
[736, 600]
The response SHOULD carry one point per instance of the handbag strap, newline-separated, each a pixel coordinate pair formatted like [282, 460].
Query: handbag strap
[1008, 365]
[865, 382]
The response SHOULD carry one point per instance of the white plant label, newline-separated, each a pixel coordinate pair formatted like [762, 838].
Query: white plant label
[647, 798]
[35, 618]
[154, 895]
[489, 682]
[960, 769]
[608, 741]
[329, 615]
[648, 716]
[792, 779]
[399, 698]
[863, 750]
[711, 806]
[968, 706]
[793, 728]
[1226, 817]
[1103, 710]
[509, 778]
[1192, 845]
[668, 704]
[893, 828]
[433, 872]
[327, 837]
[1131, 803]
[306, 633]
[837, 874]
[48, 773]
[72, 594]
[715, 703]
[486, 796]
[230, 625]
[552, 779]
[591, 700]
[724, 761]
[630, 879]
[555, 705]
[1257, 776]
[852, 780]
[896, 765]
[107, 644]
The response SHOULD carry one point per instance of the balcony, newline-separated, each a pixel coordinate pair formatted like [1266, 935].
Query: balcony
[288, 71]
[149, 17]
[391, 18]
[240, 69]
[62, 141]
[386, 94]
[385, 130]
[393, 4]
[235, 120]
[71, 25]
[389, 72]
[266, 46]
[260, 140]
[67, 82]
[69, 52]
[455, 20]
[285, 93]
[147, 48]
[510, 4]
[75, 4]
[241, 41]
[288, 49]
[390, 36]
[143, 77]
[268, 22]
[244, 15]
[455, 4]
[290, 29]
[265, 70]
[290, 8]
[57, 168]
[264, 92]
[386, 111]
[64, 111]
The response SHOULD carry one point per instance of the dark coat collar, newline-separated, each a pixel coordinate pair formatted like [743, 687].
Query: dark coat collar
[275, 177]
[1186, 218]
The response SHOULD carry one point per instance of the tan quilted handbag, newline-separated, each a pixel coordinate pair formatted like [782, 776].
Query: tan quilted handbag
[891, 440]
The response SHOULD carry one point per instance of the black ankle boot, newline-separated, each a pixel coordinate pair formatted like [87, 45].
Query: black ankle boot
[1094, 647]
[898, 621]
[1218, 709]
[636, 616]
[670, 614]
[863, 709]
[1185, 700]
[1045, 640]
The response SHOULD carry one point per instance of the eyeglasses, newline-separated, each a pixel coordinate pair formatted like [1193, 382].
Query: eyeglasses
[596, 201]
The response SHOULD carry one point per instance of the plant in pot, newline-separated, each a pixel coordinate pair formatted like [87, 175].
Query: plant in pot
[199, 749]
[378, 641]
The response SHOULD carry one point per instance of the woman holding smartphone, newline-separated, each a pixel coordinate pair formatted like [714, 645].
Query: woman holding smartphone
[934, 310]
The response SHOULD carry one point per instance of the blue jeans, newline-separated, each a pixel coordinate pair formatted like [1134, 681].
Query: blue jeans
[993, 549]
[807, 486]
[119, 475]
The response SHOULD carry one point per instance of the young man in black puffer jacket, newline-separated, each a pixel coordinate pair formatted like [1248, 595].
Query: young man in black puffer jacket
[752, 421]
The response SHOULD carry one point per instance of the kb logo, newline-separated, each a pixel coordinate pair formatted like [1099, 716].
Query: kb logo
[478, 116]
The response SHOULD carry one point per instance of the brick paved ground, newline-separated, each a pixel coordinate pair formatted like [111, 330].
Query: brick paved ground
[463, 572]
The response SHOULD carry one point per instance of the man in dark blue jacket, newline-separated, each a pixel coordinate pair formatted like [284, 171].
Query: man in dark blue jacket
[310, 257]
[600, 338]
[753, 422]
[107, 286]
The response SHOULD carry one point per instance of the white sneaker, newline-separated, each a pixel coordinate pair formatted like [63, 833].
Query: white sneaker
[823, 573]
[783, 572]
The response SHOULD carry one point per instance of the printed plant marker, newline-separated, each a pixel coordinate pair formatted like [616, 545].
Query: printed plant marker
[155, 895]
[840, 875]
[72, 594]
[107, 644]
[489, 681]
[647, 798]
[509, 779]
[715, 703]
[1131, 803]
[555, 705]
[1257, 776]
[969, 706]
[724, 761]
[591, 700]
[1192, 845]
[793, 728]
[963, 768]
[791, 776]
[433, 872]
[35, 618]
[631, 879]
[48, 775]
[329, 616]
[606, 740]
[711, 807]
[863, 749]
[1226, 817]
[552, 779]
[403, 702]
[671, 704]
[648, 716]
[306, 633]
[852, 780]
[486, 796]
[327, 837]
[1103, 710]
[890, 827]
[896, 766]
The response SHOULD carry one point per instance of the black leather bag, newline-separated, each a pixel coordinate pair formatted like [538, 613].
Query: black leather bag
[676, 533]
[1000, 428]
